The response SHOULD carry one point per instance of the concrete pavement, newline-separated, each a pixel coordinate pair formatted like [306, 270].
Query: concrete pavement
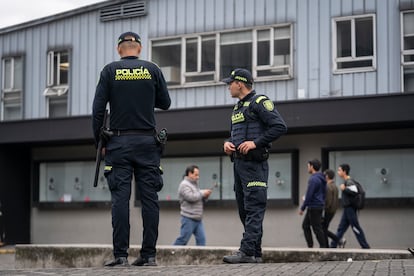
[374, 267]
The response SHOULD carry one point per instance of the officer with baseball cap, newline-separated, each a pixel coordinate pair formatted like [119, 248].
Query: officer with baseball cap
[255, 123]
[239, 74]
[133, 88]
[129, 36]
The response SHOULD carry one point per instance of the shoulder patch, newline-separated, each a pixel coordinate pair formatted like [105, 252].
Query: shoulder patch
[268, 104]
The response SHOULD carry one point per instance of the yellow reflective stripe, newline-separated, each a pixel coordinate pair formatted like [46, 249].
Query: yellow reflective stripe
[260, 98]
[246, 103]
[256, 184]
[108, 168]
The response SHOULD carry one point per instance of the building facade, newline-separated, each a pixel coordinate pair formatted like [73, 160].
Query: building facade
[340, 72]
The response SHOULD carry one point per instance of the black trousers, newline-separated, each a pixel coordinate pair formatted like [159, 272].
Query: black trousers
[327, 218]
[250, 186]
[313, 218]
[138, 156]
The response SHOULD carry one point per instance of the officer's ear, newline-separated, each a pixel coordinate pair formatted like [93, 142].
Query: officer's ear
[139, 49]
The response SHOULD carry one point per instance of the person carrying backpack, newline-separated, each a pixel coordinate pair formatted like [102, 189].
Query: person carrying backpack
[349, 216]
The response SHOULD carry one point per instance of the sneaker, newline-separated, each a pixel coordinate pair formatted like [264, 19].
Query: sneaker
[342, 243]
[120, 261]
[239, 257]
[145, 262]
[259, 260]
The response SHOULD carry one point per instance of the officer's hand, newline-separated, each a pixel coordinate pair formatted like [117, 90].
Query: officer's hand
[206, 193]
[103, 152]
[300, 212]
[246, 146]
[229, 148]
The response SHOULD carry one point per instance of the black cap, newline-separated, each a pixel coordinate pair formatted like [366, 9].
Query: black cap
[129, 36]
[239, 74]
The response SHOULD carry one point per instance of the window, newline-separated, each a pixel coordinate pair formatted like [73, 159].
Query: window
[56, 92]
[407, 51]
[12, 88]
[71, 182]
[384, 173]
[167, 54]
[219, 170]
[273, 52]
[200, 55]
[63, 176]
[208, 58]
[354, 44]
[235, 51]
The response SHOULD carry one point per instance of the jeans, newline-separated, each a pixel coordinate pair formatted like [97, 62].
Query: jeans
[350, 218]
[188, 227]
[313, 217]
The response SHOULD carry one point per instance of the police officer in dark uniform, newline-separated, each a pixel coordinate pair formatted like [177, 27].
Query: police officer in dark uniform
[133, 88]
[255, 124]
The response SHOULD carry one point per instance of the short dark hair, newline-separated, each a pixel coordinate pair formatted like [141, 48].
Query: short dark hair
[315, 163]
[190, 169]
[346, 168]
[330, 174]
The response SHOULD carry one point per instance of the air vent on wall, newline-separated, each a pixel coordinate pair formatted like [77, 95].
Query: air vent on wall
[127, 10]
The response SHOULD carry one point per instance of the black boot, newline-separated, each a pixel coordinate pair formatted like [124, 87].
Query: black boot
[239, 257]
[150, 261]
[120, 261]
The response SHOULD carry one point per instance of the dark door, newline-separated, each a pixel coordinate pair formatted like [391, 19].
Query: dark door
[15, 192]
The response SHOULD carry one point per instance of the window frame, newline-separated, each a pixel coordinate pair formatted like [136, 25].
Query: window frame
[198, 72]
[65, 154]
[271, 51]
[371, 202]
[16, 101]
[292, 200]
[57, 93]
[353, 57]
[216, 79]
[404, 52]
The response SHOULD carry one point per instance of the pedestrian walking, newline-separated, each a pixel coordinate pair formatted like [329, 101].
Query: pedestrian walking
[349, 215]
[192, 199]
[314, 204]
[331, 205]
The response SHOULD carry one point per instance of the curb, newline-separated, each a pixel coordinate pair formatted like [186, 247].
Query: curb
[94, 255]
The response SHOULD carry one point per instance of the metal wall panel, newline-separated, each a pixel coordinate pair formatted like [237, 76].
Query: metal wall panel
[93, 43]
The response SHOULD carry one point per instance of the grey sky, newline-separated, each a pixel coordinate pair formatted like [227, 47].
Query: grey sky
[14, 12]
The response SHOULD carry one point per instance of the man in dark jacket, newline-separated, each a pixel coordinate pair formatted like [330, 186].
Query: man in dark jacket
[349, 215]
[314, 202]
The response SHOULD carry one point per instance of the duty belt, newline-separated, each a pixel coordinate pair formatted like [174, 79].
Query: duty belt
[239, 155]
[145, 132]
[258, 154]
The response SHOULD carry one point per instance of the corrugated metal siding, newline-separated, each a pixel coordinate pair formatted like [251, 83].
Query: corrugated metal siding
[92, 45]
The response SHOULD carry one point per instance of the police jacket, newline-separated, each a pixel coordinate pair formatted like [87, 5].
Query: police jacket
[255, 118]
[133, 88]
[316, 192]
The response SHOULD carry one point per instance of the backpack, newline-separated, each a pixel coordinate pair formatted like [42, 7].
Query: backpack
[359, 200]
